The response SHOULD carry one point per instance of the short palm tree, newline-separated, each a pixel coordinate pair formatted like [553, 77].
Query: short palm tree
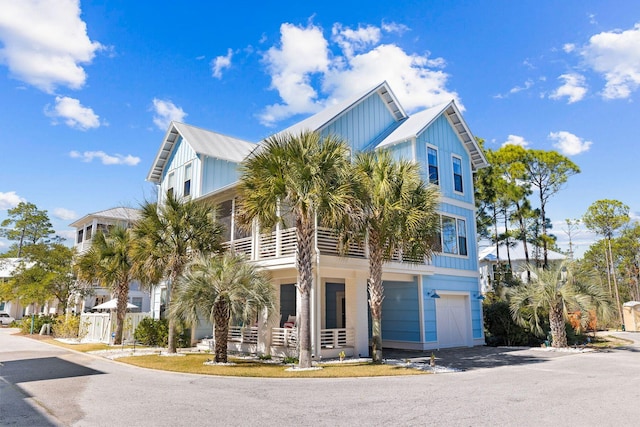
[109, 261]
[397, 213]
[167, 237]
[303, 176]
[556, 292]
[220, 288]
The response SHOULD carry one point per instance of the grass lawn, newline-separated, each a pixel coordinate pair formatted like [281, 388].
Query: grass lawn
[194, 363]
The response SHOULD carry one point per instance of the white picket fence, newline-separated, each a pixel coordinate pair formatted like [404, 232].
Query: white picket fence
[99, 327]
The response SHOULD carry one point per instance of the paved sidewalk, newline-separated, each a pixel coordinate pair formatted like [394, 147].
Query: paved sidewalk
[469, 358]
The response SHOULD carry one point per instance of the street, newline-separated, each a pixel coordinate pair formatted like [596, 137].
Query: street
[43, 385]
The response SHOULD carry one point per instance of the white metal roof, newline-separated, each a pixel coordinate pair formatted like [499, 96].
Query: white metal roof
[333, 112]
[114, 214]
[203, 142]
[516, 253]
[418, 122]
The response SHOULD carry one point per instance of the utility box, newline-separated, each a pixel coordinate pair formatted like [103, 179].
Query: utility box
[631, 315]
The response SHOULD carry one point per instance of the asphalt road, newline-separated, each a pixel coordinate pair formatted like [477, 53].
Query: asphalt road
[42, 385]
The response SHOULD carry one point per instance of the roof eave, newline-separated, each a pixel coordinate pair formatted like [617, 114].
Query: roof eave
[478, 159]
[158, 165]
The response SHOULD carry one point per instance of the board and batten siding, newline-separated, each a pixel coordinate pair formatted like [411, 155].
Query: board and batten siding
[401, 312]
[363, 123]
[217, 173]
[442, 136]
[181, 155]
[464, 285]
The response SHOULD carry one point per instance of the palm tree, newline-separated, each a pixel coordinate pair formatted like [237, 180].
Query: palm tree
[221, 287]
[302, 176]
[109, 261]
[397, 213]
[168, 237]
[556, 292]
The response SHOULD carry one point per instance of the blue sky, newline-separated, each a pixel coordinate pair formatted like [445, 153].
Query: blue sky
[88, 88]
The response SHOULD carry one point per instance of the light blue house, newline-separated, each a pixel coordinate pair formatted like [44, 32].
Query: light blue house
[432, 305]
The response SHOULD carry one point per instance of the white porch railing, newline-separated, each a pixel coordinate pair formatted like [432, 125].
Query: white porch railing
[284, 337]
[241, 334]
[335, 338]
[283, 244]
[329, 338]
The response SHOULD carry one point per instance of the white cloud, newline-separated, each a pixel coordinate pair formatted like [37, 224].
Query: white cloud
[351, 41]
[304, 57]
[67, 234]
[303, 51]
[64, 214]
[166, 112]
[574, 88]
[568, 143]
[221, 63]
[616, 55]
[516, 140]
[45, 42]
[569, 47]
[106, 159]
[74, 114]
[393, 27]
[10, 200]
[526, 86]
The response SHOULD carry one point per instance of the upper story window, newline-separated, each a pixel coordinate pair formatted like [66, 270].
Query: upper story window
[432, 156]
[88, 232]
[80, 234]
[453, 236]
[171, 182]
[186, 190]
[457, 174]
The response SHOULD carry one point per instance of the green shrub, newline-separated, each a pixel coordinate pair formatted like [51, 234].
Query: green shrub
[152, 332]
[290, 360]
[38, 321]
[501, 329]
[66, 326]
[155, 333]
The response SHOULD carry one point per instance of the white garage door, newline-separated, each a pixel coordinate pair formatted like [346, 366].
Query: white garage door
[452, 316]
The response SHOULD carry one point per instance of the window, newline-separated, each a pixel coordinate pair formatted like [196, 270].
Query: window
[88, 232]
[171, 182]
[452, 238]
[186, 191]
[449, 236]
[137, 301]
[432, 156]
[457, 174]
[462, 237]
[80, 233]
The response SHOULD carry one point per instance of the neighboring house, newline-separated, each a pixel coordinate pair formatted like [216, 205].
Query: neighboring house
[7, 268]
[16, 310]
[488, 262]
[432, 305]
[86, 227]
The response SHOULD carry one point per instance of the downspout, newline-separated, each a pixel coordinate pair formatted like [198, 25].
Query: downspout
[315, 341]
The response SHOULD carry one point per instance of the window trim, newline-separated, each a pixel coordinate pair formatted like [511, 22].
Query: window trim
[437, 165]
[171, 177]
[455, 157]
[456, 219]
[186, 182]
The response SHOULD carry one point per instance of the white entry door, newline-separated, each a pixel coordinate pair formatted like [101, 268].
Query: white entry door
[452, 315]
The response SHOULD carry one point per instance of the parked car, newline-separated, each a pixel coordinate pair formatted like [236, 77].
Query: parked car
[5, 319]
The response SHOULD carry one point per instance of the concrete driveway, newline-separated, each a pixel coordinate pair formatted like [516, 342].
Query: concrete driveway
[45, 385]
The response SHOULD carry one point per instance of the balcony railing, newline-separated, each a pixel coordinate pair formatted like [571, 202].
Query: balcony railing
[278, 244]
[329, 338]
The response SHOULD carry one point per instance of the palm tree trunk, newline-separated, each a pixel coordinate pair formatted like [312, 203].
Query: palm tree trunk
[558, 331]
[376, 295]
[171, 346]
[122, 294]
[615, 283]
[221, 317]
[304, 234]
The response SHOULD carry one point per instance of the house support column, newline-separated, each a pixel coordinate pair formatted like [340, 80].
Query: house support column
[357, 312]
